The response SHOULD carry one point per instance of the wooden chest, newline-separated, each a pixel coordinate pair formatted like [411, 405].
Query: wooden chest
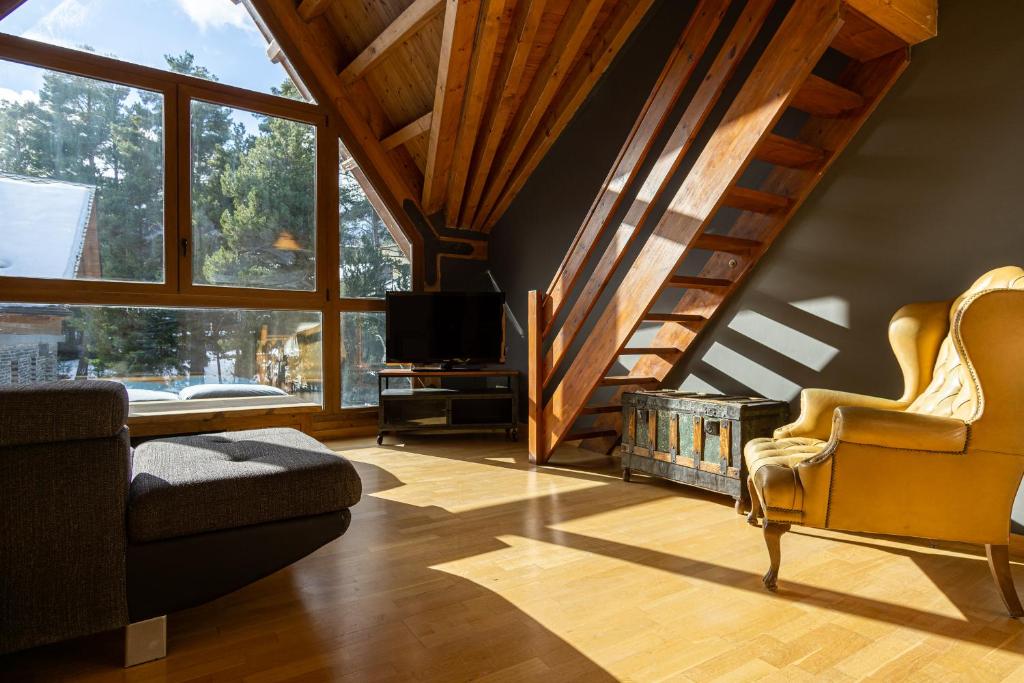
[695, 439]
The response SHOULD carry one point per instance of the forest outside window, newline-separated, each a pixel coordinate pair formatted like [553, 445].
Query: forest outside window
[171, 234]
[81, 179]
[253, 199]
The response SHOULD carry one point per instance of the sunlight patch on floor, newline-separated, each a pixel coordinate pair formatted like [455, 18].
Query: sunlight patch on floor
[459, 485]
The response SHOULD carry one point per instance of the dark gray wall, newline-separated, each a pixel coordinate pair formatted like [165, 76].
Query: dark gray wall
[925, 199]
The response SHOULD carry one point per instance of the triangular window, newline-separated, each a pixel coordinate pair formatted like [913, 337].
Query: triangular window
[216, 40]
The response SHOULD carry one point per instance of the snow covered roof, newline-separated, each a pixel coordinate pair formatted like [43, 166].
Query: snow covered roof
[42, 226]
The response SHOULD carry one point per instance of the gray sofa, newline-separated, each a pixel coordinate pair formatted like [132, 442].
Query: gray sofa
[95, 537]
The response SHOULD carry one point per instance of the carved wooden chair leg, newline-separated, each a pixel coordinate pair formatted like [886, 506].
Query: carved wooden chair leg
[772, 534]
[999, 564]
[755, 504]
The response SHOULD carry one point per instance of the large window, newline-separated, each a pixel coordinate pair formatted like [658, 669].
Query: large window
[371, 263]
[178, 236]
[167, 354]
[81, 179]
[253, 199]
[215, 40]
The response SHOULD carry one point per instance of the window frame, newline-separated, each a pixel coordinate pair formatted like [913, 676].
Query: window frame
[177, 290]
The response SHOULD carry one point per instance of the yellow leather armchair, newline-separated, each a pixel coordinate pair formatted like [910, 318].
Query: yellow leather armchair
[943, 461]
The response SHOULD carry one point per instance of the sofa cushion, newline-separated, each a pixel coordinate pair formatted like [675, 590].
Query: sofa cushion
[229, 391]
[62, 411]
[194, 484]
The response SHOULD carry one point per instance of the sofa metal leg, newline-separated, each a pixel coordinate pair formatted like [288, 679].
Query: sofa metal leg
[755, 504]
[999, 564]
[145, 641]
[772, 536]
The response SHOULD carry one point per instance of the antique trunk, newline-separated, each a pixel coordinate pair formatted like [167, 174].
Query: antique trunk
[695, 439]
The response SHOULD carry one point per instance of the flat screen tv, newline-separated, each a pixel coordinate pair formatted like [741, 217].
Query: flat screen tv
[445, 328]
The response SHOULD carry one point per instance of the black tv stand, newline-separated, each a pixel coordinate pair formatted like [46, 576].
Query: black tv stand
[465, 399]
[445, 367]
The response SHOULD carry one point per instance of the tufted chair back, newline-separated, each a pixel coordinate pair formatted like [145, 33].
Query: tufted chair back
[951, 393]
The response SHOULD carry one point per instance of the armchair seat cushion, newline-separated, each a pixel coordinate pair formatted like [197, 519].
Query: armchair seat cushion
[787, 452]
[208, 482]
[771, 465]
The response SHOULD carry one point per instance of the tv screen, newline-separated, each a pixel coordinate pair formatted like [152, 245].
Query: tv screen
[445, 327]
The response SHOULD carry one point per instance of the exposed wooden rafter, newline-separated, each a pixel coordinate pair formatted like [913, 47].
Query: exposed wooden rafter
[407, 23]
[311, 9]
[485, 47]
[8, 6]
[459, 29]
[624, 19]
[408, 132]
[564, 49]
[506, 95]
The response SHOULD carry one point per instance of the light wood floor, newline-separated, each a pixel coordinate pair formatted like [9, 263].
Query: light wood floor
[464, 564]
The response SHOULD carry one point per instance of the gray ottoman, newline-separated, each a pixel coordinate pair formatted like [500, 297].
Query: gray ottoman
[210, 513]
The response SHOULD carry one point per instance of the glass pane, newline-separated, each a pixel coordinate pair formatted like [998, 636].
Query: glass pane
[81, 178]
[253, 199]
[362, 358]
[216, 40]
[167, 354]
[371, 261]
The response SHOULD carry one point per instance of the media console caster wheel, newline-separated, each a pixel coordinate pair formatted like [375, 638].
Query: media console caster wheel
[515, 435]
[380, 439]
[626, 475]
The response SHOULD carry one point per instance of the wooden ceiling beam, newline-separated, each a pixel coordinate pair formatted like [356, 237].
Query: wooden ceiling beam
[408, 22]
[460, 20]
[486, 44]
[408, 132]
[311, 9]
[562, 53]
[8, 6]
[505, 98]
[625, 18]
[315, 60]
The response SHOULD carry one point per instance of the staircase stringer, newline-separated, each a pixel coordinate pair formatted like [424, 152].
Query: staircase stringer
[671, 156]
[872, 80]
[667, 89]
[805, 33]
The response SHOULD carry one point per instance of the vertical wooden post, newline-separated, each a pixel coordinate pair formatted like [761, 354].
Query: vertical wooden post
[535, 388]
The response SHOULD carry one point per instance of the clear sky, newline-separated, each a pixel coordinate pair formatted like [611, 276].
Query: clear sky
[219, 33]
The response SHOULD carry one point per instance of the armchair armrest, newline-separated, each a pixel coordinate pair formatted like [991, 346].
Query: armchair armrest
[61, 411]
[899, 429]
[817, 406]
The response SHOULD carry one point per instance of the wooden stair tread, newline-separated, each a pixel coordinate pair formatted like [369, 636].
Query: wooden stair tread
[601, 409]
[783, 151]
[590, 434]
[689, 282]
[673, 318]
[725, 243]
[820, 97]
[745, 199]
[649, 351]
[626, 380]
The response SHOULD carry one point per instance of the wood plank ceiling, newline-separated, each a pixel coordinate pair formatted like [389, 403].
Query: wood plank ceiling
[453, 103]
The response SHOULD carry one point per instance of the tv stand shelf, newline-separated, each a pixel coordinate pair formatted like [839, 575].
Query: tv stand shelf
[463, 399]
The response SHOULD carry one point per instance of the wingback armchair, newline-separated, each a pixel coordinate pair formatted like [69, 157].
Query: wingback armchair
[942, 462]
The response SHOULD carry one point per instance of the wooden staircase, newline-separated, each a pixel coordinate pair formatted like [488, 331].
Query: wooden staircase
[598, 298]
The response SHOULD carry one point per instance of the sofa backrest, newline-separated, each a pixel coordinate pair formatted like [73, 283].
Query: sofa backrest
[65, 464]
